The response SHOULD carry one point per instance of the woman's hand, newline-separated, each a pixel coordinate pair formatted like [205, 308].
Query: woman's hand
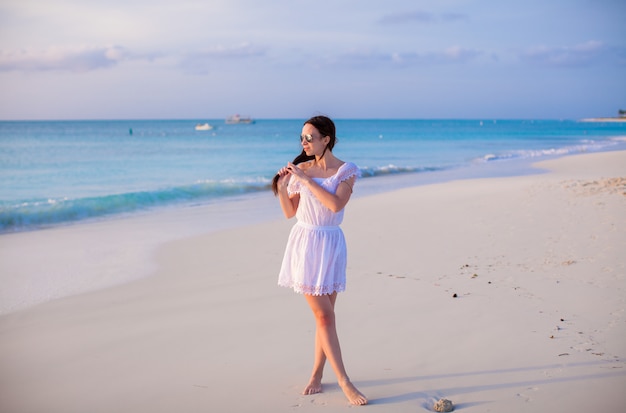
[289, 204]
[286, 172]
[283, 177]
[297, 172]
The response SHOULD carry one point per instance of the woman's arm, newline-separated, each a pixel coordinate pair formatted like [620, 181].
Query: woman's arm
[337, 201]
[288, 204]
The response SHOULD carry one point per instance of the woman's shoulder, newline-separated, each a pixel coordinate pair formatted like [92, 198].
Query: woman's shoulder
[306, 164]
[348, 170]
[348, 165]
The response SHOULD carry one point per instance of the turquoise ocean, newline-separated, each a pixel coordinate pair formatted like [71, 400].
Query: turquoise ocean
[59, 172]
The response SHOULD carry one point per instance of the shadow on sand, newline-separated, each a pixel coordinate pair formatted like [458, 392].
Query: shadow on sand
[431, 396]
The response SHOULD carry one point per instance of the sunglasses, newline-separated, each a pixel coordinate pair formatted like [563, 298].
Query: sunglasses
[307, 137]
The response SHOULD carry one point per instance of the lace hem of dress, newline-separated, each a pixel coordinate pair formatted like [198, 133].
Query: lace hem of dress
[314, 290]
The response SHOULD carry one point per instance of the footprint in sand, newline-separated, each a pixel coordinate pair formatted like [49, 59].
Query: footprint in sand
[526, 397]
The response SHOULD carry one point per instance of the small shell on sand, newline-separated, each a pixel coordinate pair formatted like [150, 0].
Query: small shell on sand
[443, 405]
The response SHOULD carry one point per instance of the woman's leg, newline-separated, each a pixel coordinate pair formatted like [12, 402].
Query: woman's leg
[315, 384]
[323, 308]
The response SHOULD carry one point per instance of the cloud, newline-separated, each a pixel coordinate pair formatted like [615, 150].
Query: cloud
[242, 50]
[449, 17]
[419, 17]
[451, 55]
[582, 54]
[85, 59]
[407, 17]
[82, 59]
[454, 54]
[201, 61]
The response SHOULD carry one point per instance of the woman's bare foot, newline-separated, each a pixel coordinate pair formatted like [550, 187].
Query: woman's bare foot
[353, 395]
[314, 386]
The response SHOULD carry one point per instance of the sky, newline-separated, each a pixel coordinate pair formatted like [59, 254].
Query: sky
[208, 59]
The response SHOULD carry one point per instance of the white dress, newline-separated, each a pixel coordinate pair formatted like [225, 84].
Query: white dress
[315, 257]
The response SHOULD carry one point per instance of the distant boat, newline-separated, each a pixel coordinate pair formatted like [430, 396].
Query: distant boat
[235, 119]
[203, 126]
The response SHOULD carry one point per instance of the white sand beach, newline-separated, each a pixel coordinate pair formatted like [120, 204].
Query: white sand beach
[500, 294]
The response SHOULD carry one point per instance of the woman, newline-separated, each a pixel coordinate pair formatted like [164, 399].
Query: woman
[315, 188]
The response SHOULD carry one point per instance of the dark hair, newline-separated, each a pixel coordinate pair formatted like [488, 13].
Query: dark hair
[326, 127]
